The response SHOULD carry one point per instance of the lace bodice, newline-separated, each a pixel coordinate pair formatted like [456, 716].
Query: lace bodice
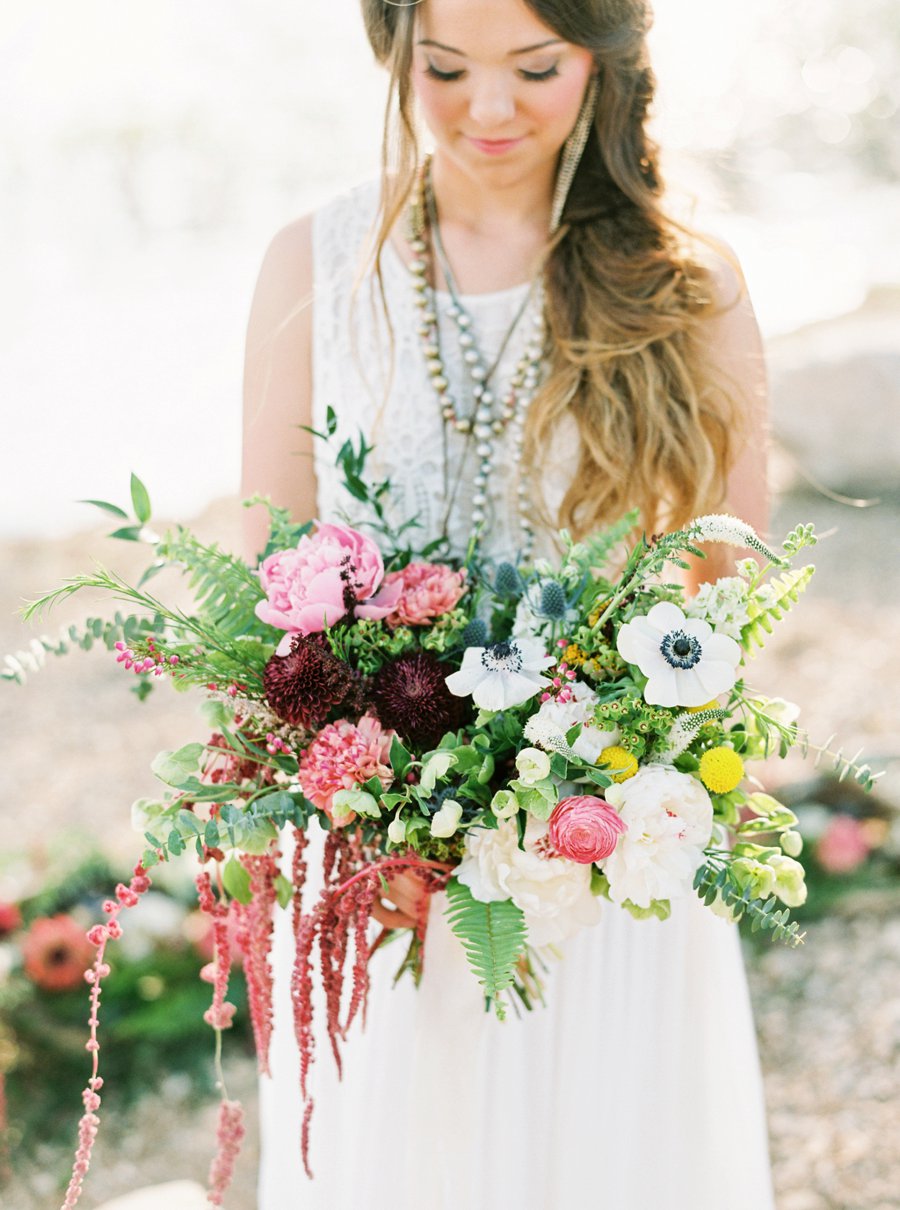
[376, 380]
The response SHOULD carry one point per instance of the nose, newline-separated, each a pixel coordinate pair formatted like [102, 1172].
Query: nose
[492, 104]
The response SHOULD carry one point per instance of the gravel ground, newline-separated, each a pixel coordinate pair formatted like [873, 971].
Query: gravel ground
[75, 755]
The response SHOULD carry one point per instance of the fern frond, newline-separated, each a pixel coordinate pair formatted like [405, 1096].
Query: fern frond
[225, 590]
[787, 589]
[493, 935]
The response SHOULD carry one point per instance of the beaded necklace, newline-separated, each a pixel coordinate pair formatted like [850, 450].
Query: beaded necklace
[487, 421]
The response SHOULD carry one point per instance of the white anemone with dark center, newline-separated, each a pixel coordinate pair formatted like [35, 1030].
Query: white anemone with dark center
[686, 662]
[502, 675]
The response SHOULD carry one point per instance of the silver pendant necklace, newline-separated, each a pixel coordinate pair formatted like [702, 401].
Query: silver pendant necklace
[487, 421]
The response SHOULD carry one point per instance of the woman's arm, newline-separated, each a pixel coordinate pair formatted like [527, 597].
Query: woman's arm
[277, 454]
[735, 351]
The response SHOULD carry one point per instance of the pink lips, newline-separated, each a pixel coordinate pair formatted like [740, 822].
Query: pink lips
[494, 146]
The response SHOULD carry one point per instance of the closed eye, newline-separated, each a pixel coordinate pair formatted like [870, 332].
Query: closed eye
[550, 72]
[449, 76]
[435, 74]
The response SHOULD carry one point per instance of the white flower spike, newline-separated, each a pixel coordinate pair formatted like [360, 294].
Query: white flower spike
[687, 663]
[722, 527]
[502, 675]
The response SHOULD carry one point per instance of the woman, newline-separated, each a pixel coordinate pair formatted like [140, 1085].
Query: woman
[531, 344]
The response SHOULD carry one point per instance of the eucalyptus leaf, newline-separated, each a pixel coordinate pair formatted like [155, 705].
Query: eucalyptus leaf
[176, 768]
[236, 880]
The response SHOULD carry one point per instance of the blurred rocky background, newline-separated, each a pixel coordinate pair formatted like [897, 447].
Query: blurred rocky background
[145, 162]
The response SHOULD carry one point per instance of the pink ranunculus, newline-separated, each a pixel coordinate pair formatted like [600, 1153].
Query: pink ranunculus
[427, 590]
[10, 918]
[344, 755]
[311, 587]
[584, 828]
[843, 845]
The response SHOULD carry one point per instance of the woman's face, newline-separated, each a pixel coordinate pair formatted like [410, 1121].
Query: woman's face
[499, 90]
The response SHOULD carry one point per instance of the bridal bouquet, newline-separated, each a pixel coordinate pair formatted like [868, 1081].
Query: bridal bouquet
[542, 743]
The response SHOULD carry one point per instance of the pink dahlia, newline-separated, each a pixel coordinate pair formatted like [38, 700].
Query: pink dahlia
[57, 953]
[427, 591]
[331, 573]
[344, 755]
[584, 828]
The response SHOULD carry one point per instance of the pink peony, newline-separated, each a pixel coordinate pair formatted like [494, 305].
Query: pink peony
[427, 590]
[843, 845]
[329, 574]
[584, 829]
[344, 755]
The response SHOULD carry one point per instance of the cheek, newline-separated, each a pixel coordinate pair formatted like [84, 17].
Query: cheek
[558, 108]
[438, 103]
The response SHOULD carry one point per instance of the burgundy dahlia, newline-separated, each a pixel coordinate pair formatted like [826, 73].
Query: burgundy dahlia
[411, 696]
[304, 686]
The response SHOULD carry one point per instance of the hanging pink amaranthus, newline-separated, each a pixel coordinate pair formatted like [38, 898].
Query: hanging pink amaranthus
[254, 937]
[221, 1012]
[99, 935]
[344, 907]
[229, 1136]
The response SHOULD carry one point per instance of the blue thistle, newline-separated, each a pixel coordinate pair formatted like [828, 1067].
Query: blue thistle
[553, 600]
[508, 582]
[475, 634]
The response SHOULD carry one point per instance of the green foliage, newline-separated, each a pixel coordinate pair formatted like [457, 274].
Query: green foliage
[801, 537]
[599, 546]
[131, 629]
[714, 881]
[770, 604]
[140, 500]
[843, 766]
[284, 532]
[493, 936]
[642, 726]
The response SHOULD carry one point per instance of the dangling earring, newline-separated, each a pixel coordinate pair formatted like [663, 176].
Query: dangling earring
[573, 150]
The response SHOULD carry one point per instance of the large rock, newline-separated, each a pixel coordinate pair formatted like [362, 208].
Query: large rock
[836, 398]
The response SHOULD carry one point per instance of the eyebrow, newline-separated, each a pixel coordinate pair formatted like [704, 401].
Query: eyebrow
[525, 50]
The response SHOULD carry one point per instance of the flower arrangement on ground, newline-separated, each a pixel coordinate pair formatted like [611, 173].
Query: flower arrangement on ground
[153, 1001]
[544, 743]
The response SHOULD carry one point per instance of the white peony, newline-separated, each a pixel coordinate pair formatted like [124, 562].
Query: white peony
[686, 662]
[555, 894]
[563, 716]
[669, 817]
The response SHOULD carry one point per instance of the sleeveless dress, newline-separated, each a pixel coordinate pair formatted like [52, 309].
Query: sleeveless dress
[638, 1086]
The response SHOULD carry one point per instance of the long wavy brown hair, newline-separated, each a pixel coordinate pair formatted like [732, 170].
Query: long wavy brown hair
[627, 290]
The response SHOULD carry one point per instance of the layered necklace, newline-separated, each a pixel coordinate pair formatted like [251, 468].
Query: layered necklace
[488, 416]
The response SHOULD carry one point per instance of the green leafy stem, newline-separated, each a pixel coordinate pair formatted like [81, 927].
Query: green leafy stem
[714, 880]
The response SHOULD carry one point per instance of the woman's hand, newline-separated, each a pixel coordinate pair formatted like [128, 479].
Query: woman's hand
[409, 899]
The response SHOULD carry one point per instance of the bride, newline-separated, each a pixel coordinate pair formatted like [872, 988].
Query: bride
[530, 343]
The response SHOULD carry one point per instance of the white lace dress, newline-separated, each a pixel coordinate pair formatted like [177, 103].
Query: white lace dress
[638, 1086]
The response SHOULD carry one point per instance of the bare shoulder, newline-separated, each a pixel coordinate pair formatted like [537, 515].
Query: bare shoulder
[285, 278]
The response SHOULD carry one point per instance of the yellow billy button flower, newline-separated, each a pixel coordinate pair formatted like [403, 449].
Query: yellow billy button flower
[721, 770]
[713, 705]
[619, 762]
